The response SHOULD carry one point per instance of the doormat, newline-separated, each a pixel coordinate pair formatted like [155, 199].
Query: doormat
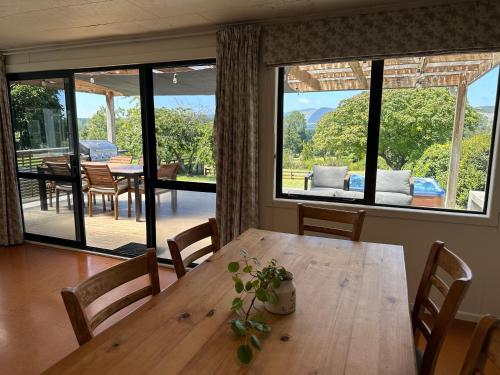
[132, 249]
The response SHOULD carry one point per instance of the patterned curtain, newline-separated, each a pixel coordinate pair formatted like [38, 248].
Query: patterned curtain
[237, 129]
[11, 229]
[464, 26]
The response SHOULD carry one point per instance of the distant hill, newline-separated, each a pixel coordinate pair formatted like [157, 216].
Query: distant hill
[488, 111]
[313, 115]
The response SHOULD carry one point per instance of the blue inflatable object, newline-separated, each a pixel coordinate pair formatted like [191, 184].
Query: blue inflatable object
[423, 186]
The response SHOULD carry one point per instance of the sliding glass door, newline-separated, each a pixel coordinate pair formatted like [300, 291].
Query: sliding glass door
[47, 161]
[184, 187]
[108, 106]
[139, 138]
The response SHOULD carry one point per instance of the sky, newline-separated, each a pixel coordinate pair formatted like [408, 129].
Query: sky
[480, 93]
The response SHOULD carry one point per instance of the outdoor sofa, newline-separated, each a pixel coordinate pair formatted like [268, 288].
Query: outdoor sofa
[393, 187]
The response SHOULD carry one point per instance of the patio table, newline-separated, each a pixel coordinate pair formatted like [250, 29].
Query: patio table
[132, 171]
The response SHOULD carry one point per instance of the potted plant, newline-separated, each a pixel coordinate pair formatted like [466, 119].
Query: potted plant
[272, 285]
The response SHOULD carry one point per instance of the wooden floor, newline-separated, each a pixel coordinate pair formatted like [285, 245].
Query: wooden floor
[35, 331]
[104, 232]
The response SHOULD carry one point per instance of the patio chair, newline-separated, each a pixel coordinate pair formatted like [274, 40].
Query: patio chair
[327, 180]
[165, 172]
[51, 187]
[121, 159]
[63, 169]
[101, 181]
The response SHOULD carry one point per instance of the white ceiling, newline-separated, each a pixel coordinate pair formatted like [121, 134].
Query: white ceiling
[31, 23]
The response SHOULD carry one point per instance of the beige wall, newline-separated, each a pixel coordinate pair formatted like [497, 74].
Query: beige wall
[475, 239]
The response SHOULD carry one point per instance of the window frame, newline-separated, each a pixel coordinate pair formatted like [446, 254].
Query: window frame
[372, 144]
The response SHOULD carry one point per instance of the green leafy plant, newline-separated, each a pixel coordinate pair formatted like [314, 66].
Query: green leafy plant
[260, 285]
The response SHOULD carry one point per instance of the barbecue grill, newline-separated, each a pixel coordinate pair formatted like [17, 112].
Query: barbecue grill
[97, 150]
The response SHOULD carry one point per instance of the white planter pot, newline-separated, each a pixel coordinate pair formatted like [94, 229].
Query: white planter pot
[286, 299]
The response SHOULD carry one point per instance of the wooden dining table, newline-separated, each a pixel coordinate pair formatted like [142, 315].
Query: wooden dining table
[352, 316]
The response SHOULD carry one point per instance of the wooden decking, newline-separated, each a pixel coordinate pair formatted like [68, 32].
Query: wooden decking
[104, 232]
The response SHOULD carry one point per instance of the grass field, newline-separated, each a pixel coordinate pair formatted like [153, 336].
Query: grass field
[209, 179]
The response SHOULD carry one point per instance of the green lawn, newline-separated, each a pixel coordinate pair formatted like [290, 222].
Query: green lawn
[210, 179]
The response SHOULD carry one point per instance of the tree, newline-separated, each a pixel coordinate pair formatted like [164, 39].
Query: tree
[29, 106]
[473, 166]
[411, 121]
[95, 127]
[294, 132]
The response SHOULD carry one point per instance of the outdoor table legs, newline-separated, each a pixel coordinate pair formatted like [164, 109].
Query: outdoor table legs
[137, 198]
[42, 189]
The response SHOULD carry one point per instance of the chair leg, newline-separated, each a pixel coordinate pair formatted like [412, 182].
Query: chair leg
[103, 203]
[112, 203]
[69, 201]
[91, 197]
[57, 201]
[116, 206]
[50, 196]
[129, 203]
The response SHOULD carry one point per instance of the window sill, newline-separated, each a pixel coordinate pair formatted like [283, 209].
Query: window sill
[477, 219]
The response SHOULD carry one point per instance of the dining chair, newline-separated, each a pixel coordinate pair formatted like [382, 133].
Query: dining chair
[428, 319]
[120, 159]
[63, 169]
[77, 299]
[101, 182]
[165, 172]
[484, 350]
[181, 241]
[354, 218]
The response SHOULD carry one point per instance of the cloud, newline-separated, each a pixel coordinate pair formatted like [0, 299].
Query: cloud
[304, 100]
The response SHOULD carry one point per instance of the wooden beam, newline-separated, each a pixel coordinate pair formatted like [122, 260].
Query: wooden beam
[358, 72]
[110, 117]
[456, 145]
[84, 86]
[310, 83]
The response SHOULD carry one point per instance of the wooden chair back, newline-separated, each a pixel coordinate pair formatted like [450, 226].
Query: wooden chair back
[189, 237]
[56, 159]
[484, 349]
[58, 168]
[427, 318]
[99, 175]
[121, 159]
[78, 298]
[168, 171]
[355, 218]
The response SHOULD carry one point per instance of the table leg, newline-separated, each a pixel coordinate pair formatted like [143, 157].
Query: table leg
[42, 190]
[137, 199]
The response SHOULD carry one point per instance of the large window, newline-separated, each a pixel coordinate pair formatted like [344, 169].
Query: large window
[406, 132]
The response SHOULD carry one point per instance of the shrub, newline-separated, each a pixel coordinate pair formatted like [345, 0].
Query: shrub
[473, 165]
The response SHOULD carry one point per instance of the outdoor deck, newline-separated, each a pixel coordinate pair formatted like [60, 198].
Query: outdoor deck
[104, 232]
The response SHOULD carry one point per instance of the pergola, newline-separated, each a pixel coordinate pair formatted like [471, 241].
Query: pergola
[458, 71]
